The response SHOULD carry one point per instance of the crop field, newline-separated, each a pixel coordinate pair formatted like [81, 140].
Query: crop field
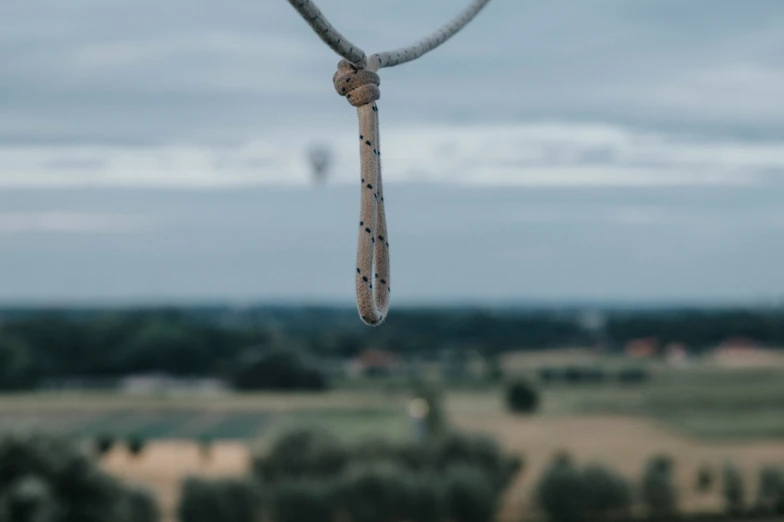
[235, 418]
[698, 416]
[702, 403]
[622, 442]
[701, 400]
[161, 423]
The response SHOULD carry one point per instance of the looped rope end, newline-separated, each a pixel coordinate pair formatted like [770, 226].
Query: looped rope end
[360, 86]
[356, 79]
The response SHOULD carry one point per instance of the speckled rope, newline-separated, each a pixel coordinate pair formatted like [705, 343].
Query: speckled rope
[341, 45]
[321, 26]
[360, 87]
[356, 79]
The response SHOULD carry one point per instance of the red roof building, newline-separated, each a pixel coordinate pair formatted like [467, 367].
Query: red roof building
[374, 361]
[642, 348]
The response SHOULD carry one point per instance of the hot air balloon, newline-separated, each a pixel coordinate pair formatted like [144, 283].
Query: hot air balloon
[320, 158]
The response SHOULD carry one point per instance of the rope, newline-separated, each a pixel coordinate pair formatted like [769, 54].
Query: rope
[357, 80]
[414, 51]
[336, 41]
[360, 87]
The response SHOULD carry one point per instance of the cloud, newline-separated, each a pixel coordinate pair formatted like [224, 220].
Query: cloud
[141, 72]
[544, 154]
[609, 148]
[70, 223]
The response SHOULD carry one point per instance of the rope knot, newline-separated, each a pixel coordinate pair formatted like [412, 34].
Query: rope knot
[359, 86]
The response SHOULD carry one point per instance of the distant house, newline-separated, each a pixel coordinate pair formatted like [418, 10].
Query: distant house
[155, 384]
[737, 344]
[676, 354]
[145, 384]
[642, 348]
[374, 362]
[742, 352]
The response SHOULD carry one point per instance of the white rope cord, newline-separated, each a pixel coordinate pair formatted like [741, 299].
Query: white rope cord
[321, 26]
[412, 52]
[356, 79]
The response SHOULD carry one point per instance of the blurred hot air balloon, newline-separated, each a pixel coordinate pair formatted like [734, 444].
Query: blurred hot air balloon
[320, 158]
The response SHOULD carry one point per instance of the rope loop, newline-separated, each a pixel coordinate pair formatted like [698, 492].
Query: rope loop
[356, 79]
[360, 87]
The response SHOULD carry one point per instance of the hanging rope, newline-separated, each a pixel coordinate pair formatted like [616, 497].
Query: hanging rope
[357, 80]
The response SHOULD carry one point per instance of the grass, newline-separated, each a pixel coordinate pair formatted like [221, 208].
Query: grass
[705, 426]
[267, 401]
[702, 402]
[716, 404]
[243, 416]
[350, 425]
[698, 415]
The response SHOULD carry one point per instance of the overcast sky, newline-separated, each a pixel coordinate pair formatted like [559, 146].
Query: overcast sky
[603, 150]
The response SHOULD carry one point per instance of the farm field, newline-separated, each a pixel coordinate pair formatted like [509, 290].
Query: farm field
[237, 417]
[622, 442]
[706, 403]
[698, 416]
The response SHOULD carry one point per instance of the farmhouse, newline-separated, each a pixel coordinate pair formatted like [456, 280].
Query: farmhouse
[742, 352]
[642, 348]
[374, 363]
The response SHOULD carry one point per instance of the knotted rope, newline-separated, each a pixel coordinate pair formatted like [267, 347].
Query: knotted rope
[357, 80]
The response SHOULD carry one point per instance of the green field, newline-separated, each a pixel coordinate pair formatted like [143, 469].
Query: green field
[725, 404]
[700, 403]
[699, 415]
[236, 417]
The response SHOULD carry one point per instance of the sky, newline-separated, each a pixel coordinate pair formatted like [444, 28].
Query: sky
[550, 152]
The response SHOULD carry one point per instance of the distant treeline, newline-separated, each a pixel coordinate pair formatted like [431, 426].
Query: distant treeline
[41, 344]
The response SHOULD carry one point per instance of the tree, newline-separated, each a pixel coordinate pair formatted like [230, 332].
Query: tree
[733, 490]
[302, 500]
[224, 500]
[480, 451]
[561, 491]
[469, 496]
[136, 445]
[606, 493]
[704, 478]
[28, 499]
[278, 369]
[104, 443]
[658, 487]
[549, 375]
[141, 506]
[41, 473]
[522, 397]
[633, 375]
[570, 494]
[374, 492]
[770, 495]
[302, 452]
[17, 365]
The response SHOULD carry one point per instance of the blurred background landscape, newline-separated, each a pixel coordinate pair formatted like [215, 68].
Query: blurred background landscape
[585, 211]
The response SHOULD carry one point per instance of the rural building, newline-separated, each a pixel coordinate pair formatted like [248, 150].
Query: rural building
[676, 354]
[741, 352]
[374, 362]
[642, 348]
[154, 384]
